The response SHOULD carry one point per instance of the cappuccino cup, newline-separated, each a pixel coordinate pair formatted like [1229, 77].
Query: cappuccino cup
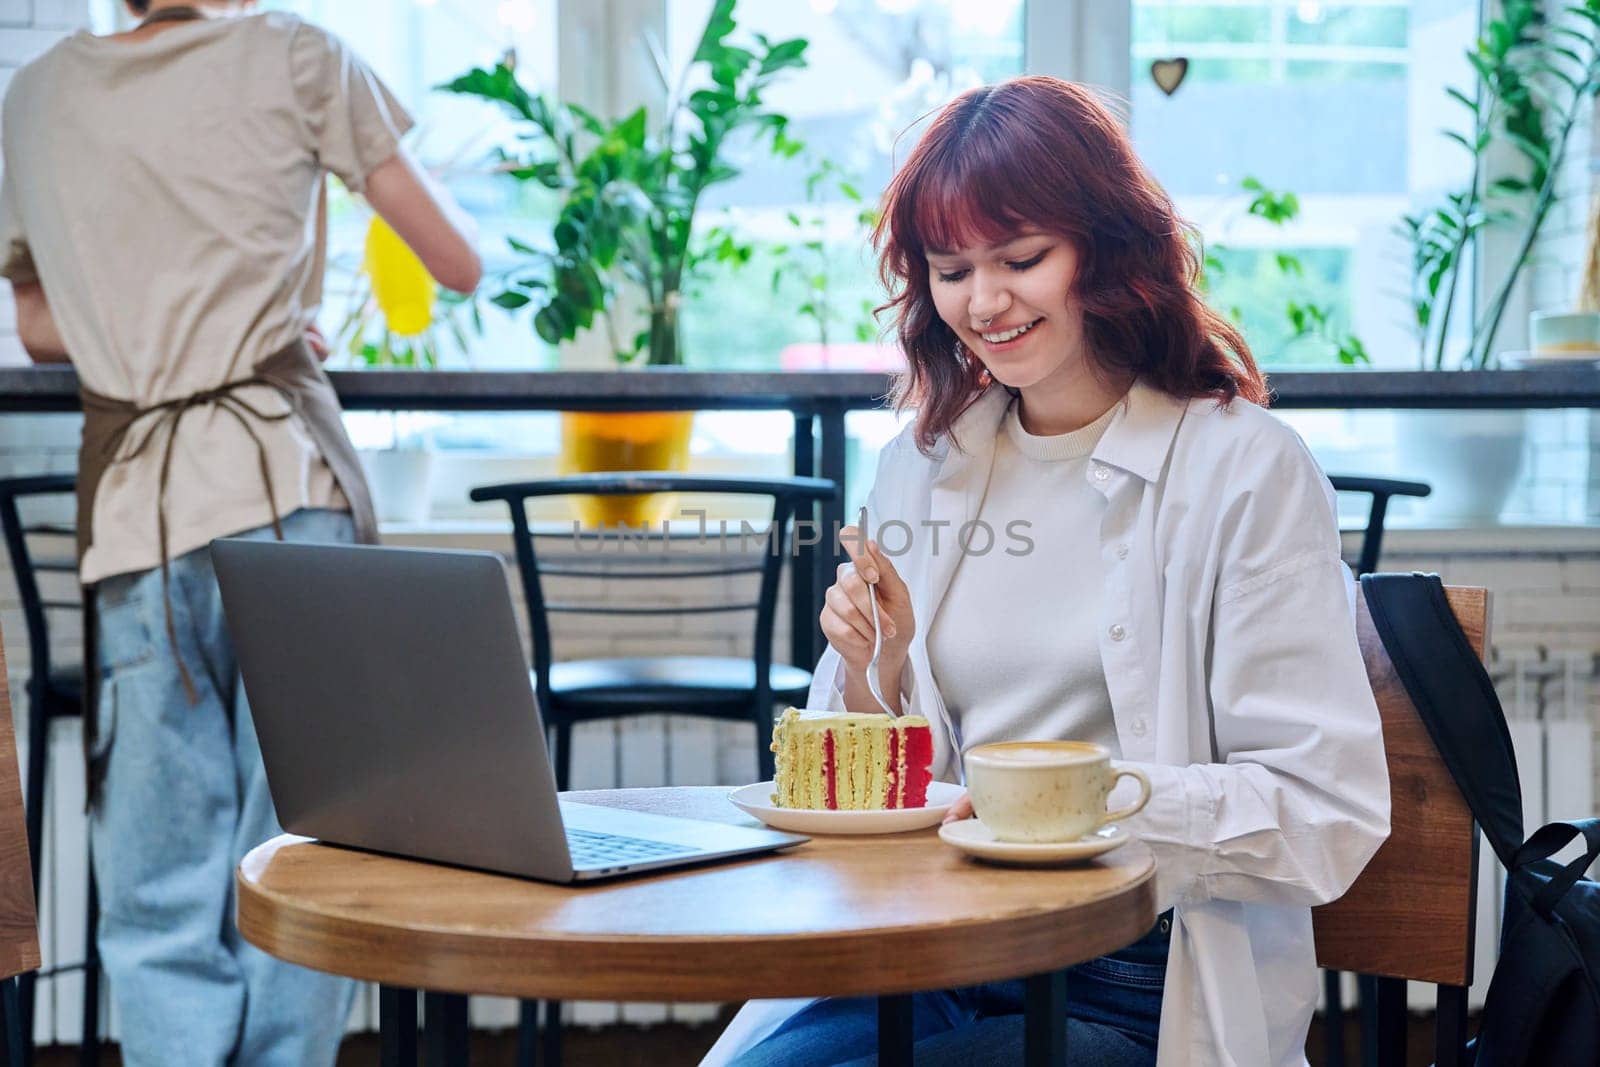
[1046, 791]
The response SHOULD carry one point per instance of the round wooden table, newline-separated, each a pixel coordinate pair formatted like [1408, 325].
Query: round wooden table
[878, 915]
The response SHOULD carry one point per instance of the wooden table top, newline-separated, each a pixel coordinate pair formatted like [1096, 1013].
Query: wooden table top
[836, 916]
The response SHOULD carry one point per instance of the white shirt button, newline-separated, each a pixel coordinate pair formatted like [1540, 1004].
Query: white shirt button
[1118, 632]
[1101, 474]
[1139, 726]
[1122, 551]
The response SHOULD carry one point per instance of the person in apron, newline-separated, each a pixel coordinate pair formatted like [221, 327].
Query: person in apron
[161, 223]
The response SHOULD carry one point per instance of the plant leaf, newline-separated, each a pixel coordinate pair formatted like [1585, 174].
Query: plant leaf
[784, 55]
[718, 25]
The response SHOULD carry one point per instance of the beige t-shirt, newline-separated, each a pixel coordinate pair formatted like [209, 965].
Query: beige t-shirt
[164, 193]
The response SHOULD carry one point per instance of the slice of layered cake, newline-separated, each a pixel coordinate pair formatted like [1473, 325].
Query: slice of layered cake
[851, 762]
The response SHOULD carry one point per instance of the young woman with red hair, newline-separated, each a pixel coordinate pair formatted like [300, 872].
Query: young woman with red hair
[1094, 530]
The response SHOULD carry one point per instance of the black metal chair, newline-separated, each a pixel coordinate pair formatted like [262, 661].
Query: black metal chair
[1381, 490]
[726, 688]
[55, 691]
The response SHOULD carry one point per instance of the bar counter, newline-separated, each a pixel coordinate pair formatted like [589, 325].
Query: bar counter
[43, 389]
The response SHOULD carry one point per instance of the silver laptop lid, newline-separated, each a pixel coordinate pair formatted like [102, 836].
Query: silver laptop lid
[361, 747]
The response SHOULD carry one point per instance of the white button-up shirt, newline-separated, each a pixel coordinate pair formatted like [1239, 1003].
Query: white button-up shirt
[1236, 683]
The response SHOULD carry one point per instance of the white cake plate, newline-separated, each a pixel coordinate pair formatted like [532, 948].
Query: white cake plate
[756, 799]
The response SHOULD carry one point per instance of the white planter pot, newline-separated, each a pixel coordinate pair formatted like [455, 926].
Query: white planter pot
[401, 481]
[1471, 458]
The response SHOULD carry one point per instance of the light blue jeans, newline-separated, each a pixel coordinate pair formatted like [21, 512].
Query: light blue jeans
[1113, 1017]
[184, 797]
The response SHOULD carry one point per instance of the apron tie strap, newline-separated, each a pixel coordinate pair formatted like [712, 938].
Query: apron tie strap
[168, 414]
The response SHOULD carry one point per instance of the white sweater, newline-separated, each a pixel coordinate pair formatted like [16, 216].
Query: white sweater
[1013, 665]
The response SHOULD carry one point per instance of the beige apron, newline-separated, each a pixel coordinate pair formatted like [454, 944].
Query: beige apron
[298, 377]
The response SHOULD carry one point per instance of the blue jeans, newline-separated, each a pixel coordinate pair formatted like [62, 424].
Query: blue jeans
[183, 799]
[1113, 1017]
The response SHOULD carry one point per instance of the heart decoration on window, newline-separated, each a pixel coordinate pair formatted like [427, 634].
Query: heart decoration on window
[1168, 74]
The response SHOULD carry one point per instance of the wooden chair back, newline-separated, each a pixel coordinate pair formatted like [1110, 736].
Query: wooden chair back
[19, 929]
[1412, 913]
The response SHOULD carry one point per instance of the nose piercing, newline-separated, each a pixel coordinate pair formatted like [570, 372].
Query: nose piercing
[988, 320]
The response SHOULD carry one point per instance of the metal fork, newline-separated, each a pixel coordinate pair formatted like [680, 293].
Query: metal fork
[873, 685]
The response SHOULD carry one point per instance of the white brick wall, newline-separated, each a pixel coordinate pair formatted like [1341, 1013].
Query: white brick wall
[1548, 598]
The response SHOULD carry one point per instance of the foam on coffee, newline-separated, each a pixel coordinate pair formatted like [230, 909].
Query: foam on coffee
[1052, 753]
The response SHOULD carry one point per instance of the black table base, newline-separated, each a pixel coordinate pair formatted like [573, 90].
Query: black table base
[897, 1033]
[1044, 1004]
[12, 1041]
[446, 1029]
[1044, 1024]
[444, 1032]
[397, 1026]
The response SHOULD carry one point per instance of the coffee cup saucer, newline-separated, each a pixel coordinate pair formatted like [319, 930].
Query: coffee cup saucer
[976, 839]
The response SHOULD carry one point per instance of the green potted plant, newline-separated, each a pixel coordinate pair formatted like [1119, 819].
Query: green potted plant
[624, 235]
[1536, 80]
[1537, 70]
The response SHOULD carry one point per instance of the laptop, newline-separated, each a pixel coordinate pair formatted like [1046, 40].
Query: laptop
[396, 713]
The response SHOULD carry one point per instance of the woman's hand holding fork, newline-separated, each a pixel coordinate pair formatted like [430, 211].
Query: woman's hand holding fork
[847, 620]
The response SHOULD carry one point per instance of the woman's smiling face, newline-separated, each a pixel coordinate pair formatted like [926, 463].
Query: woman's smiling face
[1010, 304]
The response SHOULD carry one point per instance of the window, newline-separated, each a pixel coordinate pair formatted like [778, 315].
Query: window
[1337, 101]
[875, 66]
[415, 45]
[1276, 91]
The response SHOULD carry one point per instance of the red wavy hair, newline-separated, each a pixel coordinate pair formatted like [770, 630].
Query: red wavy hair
[1045, 153]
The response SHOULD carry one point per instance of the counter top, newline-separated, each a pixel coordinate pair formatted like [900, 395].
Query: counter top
[54, 388]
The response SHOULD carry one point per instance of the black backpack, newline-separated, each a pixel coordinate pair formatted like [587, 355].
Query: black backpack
[1543, 1006]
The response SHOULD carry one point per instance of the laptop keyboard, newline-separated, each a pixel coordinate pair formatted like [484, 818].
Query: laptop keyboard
[591, 849]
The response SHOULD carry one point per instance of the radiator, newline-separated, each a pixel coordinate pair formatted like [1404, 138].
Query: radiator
[640, 752]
